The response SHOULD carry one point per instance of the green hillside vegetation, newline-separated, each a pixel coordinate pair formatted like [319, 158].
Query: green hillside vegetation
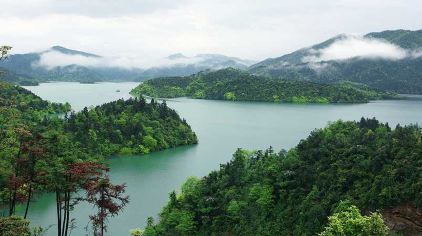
[236, 85]
[348, 221]
[365, 164]
[26, 106]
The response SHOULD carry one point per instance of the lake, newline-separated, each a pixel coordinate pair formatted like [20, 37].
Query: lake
[221, 126]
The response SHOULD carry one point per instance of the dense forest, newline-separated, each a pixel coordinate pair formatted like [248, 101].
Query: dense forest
[316, 187]
[400, 76]
[237, 85]
[129, 127]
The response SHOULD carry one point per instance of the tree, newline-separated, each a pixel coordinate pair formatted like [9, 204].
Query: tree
[64, 174]
[17, 226]
[75, 177]
[347, 221]
[107, 198]
[36, 151]
[4, 51]
[17, 180]
[14, 226]
[136, 232]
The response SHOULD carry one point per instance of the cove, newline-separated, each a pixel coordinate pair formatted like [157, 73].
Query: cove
[221, 126]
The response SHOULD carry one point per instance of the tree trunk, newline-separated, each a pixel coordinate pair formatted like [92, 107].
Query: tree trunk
[13, 202]
[102, 214]
[67, 207]
[28, 200]
[13, 199]
[10, 203]
[59, 213]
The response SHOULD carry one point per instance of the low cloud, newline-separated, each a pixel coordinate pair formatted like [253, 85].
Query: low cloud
[349, 47]
[52, 59]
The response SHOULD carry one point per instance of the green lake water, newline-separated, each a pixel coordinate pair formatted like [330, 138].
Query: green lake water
[221, 126]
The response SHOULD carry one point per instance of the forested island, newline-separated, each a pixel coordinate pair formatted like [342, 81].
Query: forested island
[350, 178]
[237, 85]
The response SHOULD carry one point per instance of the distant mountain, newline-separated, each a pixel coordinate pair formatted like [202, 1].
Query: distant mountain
[72, 52]
[62, 64]
[388, 60]
[176, 56]
[181, 65]
[29, 65]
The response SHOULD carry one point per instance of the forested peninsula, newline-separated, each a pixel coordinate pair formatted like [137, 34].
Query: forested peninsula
[131, 126]
[350, 178]
[46, 148]
[237, 85]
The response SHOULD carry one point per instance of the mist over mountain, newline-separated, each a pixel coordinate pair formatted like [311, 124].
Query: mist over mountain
[389, 60]
[62, 64]
[181, 65]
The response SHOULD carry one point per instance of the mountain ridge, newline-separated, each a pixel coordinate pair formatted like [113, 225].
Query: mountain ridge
[401, 73]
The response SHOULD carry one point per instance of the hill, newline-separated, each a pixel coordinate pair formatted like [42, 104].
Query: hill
[234, 84]
[293, 192]
[388, 60]
[23, 80]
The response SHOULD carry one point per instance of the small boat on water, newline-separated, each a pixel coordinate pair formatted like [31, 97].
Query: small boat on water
[118, 91]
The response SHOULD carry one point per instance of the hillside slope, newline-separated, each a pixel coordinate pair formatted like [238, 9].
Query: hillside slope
[292, 193]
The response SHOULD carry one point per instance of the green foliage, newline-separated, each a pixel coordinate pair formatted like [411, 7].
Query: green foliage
[22, 110]
[349, 222]
[232, 84]
[292, 193]
[14, 226]
[229, 96]
[129, 127]
[136, 232]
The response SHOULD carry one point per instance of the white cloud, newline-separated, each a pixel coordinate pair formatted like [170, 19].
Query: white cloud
[55, 59]
[358, 47]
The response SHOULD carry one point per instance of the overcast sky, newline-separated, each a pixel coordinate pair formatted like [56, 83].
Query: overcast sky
[150, 29]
